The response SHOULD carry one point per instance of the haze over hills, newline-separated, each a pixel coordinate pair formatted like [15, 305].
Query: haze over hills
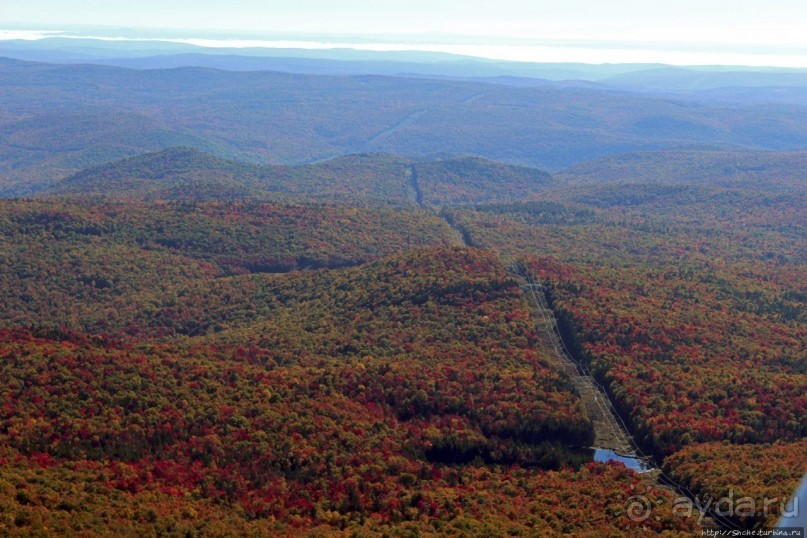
[715, 83]
[150, 54]
[84, 115]
[693, 79]
[42, 148]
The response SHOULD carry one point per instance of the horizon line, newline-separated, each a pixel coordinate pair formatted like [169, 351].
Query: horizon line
[516, 50]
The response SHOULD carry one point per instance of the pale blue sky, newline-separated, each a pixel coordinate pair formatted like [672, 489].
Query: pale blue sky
[770, 28]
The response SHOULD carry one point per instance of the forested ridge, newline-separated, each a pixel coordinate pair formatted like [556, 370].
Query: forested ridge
[184, 174]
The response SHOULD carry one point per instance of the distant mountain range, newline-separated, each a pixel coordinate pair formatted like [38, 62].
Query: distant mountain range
[56, 120]
[249, 121]
[157, 54]
[151, 54]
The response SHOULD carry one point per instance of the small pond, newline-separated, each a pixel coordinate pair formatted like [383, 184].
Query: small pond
[602, 455]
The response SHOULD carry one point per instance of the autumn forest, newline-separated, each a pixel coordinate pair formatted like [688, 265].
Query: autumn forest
[216, 325]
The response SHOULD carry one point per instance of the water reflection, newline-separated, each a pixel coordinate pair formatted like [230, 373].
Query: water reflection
[603, 455]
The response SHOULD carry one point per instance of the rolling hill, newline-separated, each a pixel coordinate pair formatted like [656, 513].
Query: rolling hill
[181, 173]
[472, 180]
